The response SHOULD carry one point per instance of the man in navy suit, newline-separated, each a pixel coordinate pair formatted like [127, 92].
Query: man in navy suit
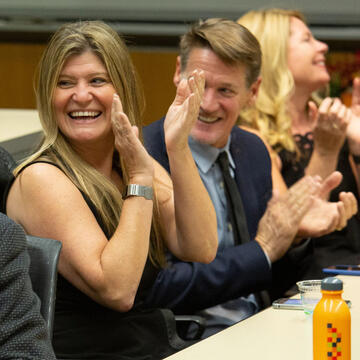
[231, 59]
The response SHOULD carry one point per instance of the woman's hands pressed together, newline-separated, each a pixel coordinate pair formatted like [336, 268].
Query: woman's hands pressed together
[353, 130]
[331, 121]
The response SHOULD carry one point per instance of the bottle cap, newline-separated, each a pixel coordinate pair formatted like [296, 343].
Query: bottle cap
[331, 284]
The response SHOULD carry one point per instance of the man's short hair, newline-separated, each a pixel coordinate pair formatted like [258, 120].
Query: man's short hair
[230, 41]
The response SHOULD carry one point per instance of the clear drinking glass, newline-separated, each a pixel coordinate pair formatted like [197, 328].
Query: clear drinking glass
[310, 292]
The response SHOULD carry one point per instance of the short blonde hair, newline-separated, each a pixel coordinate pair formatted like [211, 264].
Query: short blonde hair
[270, 115]
[230, 41]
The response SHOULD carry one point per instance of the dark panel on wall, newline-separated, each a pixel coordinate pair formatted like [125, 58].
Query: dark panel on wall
[159, 20]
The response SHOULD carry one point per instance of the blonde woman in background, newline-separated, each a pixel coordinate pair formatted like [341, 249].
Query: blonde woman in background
[304, 138]
[93, 186]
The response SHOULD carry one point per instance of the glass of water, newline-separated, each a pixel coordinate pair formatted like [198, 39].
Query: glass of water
[310, 293]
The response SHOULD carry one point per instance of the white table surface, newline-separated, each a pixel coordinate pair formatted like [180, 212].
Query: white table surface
[273, 334]
[16, 123]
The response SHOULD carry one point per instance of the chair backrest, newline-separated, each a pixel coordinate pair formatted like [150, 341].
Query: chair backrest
[7, 164]
[6, 159]
[44, 255]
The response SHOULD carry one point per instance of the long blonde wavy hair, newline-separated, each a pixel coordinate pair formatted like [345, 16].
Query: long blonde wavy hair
[75, 39]
[270, 116]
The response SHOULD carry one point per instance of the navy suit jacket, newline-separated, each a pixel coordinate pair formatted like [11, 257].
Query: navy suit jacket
[186, 287]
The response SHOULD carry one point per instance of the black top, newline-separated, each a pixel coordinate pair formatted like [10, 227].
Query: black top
[339, 247]
[84, 329]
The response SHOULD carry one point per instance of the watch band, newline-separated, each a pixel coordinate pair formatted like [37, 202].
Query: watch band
[138, 190]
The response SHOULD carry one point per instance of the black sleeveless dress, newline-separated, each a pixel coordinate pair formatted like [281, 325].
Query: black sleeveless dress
[339, 247]
[84, 329]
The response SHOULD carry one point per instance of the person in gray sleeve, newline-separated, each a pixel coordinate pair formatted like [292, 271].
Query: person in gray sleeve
[23, 333]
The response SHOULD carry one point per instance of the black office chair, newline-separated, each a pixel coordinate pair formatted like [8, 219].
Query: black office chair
[44, 257]
[7, 164]
[184, 321]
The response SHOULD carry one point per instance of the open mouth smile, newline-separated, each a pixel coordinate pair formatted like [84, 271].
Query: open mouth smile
[84, 115]
[208, 119]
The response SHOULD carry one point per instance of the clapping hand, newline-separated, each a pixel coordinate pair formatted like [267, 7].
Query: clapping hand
[184, 111]
[325, 217]
[353, 130]
[330, 122]
[355, 103]
[279, 225]
[138, 163]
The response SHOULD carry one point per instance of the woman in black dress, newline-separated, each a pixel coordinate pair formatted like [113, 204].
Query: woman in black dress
[93, 186]
[305, 138]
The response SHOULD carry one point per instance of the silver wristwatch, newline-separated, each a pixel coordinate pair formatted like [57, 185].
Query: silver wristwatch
[139, 190]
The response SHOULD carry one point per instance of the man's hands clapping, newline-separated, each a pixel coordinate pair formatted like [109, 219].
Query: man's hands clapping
[303, 211]
[279, 225]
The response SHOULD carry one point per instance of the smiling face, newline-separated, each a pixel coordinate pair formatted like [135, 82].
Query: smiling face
[224, 97]
[83, 98]
[306, 57]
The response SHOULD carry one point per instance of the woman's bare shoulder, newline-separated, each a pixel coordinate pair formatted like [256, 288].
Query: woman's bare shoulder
[40, 176]
[37, 183]
[38, 170]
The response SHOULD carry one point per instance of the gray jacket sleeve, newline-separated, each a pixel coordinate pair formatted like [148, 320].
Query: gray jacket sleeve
[23, 333]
